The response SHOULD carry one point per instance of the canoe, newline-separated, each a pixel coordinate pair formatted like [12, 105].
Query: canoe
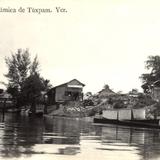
[152, 123]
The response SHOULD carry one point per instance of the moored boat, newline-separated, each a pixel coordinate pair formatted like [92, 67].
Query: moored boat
[127, 117]
[133, 123]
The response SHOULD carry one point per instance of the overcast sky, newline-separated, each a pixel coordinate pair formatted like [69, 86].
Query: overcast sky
[97, 41]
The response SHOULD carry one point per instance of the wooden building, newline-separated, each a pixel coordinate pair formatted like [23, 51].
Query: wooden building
[70, 91]
[7, 99]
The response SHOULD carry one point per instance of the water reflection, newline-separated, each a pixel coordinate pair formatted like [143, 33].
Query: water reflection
[58, 138]
[19, 135]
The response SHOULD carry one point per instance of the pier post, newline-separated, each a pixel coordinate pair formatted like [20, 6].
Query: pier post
[3, 110]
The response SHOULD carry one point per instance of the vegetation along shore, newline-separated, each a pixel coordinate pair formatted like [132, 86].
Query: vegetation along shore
[29, 92]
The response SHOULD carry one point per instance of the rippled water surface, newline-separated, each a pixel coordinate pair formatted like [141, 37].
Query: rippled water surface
[23, 137]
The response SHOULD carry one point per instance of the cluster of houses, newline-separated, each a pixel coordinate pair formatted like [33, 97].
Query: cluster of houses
[69, 91]
[73, 91]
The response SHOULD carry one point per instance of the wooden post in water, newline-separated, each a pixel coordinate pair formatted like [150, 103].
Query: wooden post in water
[3, 110]
[45, 104]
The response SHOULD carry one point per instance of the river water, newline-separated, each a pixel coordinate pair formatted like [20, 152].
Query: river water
[23, 137]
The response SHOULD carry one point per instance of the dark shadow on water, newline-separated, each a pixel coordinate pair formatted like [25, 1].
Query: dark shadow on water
[110, 149]
[68, 151]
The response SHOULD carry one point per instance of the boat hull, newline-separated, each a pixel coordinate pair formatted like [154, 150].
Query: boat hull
[132, 123]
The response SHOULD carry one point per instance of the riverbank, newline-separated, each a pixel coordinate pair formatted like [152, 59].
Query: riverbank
[73, 111]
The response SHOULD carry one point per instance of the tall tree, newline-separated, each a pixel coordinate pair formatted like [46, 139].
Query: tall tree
[25, 82]
[18, 66]
[153, 66]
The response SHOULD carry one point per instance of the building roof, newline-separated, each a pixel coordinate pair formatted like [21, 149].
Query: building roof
[73, 81]
[106, 92]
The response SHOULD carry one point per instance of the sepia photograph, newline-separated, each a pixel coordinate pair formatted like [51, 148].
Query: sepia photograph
[79, 80]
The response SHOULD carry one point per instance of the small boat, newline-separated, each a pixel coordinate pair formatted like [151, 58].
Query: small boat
[133, 123]
[127, 117]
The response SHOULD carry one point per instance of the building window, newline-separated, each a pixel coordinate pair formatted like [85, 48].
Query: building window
[68, 93]
[72, 95]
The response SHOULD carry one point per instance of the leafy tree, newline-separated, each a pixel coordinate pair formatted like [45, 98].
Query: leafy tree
[31, 90]
[153, 65]
[18, 66]
[106, 87]
[133, 91]
[25, 83]
[13, 91]
[119, 104]
[34, 68]
[47, 84]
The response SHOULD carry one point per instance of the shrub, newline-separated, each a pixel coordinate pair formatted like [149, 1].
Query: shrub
[88, 102]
